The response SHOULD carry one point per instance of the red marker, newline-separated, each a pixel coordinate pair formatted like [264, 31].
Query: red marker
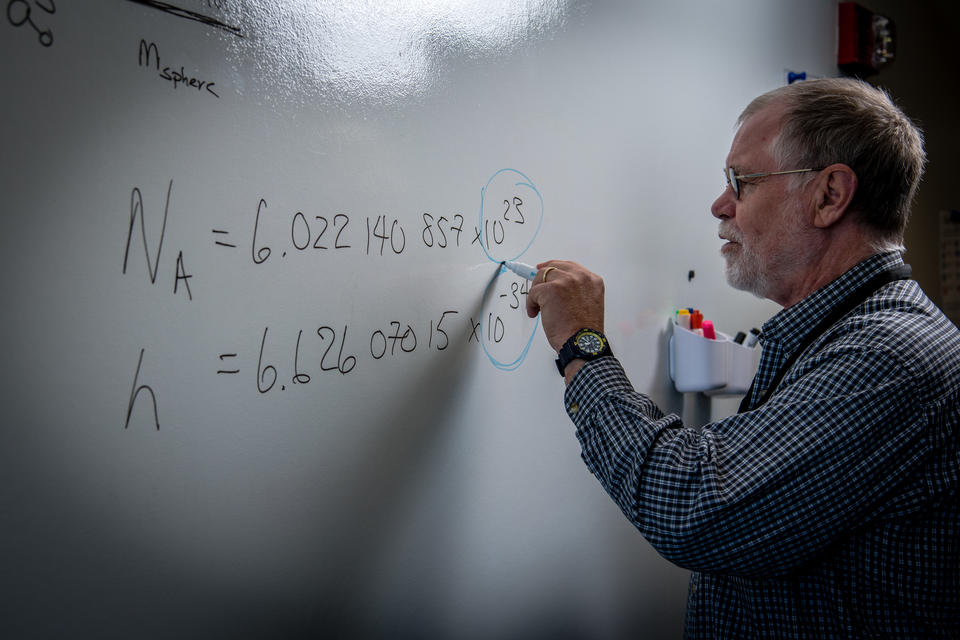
[696, 320]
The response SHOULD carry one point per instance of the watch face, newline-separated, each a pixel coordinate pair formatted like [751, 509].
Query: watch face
[590, 343]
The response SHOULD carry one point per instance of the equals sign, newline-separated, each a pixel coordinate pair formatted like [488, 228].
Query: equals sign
[220, 232]
[224, 356]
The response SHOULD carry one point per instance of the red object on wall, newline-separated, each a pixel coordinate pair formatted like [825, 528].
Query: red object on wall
[866, 40]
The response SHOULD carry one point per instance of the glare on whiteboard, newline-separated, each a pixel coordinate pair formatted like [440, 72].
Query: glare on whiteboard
[375, 52]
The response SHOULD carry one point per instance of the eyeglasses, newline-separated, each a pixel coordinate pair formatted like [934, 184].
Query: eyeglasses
[733, 180]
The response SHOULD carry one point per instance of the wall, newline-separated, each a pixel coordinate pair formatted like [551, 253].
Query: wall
[923, 80]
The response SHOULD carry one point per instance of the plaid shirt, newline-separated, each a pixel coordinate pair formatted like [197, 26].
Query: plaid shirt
[832, 510]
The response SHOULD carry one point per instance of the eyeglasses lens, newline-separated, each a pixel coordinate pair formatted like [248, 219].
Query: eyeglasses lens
[732, 181]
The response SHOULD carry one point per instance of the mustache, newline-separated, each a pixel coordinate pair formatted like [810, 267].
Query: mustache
[728, 232]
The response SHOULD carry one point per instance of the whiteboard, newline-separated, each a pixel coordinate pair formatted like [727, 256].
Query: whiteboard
[262, 375]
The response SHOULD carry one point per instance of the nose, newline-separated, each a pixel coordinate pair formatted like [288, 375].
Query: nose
[725, 204]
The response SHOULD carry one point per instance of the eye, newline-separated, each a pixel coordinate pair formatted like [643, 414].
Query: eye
[751, 182]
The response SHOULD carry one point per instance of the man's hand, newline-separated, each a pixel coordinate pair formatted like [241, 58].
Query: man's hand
[571, 298]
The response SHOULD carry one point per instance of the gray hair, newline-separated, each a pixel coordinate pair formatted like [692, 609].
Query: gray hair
[841, 120]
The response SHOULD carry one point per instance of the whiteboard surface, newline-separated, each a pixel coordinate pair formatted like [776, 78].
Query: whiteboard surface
[307, 405]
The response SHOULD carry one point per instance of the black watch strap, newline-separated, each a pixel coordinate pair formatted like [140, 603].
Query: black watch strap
[571, 350]
[565, 355]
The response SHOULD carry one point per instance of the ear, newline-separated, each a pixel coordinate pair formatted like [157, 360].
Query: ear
[835, 187]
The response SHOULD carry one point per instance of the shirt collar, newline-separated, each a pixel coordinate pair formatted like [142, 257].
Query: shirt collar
[790, 326]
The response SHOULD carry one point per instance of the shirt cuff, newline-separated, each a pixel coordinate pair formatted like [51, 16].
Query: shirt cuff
[595, 380]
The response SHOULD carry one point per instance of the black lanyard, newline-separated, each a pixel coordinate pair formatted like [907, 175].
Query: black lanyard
[848, 304]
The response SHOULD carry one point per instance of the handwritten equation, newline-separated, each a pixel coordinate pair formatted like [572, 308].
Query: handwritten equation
[511, 213]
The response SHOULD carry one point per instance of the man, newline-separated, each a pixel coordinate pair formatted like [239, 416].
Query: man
[829, 507]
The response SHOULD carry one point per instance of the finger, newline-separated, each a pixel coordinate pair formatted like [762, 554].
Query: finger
[533, 309]
[543, 274]
[548, 274]
[534, 296]
[560, 264]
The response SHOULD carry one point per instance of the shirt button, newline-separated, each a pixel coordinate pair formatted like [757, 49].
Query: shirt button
[574, 407]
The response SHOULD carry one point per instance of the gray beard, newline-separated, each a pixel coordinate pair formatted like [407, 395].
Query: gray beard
[746, 277]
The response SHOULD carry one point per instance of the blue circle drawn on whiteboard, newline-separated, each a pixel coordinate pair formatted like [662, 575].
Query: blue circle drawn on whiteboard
[505, 366]
[527, 184]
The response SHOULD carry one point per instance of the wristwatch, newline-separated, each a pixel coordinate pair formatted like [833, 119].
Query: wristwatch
[586, 344]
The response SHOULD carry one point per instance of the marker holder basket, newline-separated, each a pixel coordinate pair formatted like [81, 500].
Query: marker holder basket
[715, 367]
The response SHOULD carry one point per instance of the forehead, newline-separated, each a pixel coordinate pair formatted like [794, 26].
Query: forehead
[751, 148]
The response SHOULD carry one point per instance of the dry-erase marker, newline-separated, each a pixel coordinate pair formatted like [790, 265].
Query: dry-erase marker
[708, 331]
[522, 270]
[696, 320]
[752, 338]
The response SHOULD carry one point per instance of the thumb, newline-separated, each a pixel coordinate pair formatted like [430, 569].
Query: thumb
[533, 307]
